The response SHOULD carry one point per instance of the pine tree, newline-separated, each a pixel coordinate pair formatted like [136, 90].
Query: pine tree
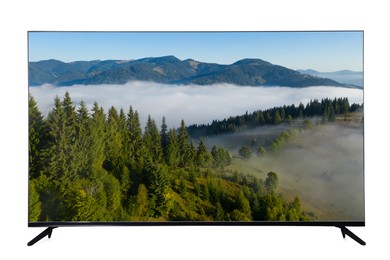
[98, 137]
[242, 204]
[158, 188]
[164, 137]
[34, 204]
[142, 201]
[219, 213]
[261, 118]
[272, 182]
[184, 145]
[245, 152]
[152, 141]
[277, 118]
[60, 153]
[37, 138]
[203, 157]
[114, 144]
[83, 140]
[173, 150]
[135, 141]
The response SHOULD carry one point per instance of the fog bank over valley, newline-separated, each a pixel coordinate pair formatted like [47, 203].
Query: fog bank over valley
[322, 165]
[193, 103]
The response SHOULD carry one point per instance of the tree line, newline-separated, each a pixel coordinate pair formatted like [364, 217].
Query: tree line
[97, 166]
[327, 109]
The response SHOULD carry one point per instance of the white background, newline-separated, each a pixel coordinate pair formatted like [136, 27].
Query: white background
[18, 17]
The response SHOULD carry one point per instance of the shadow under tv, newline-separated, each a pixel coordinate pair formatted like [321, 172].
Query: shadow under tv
[52, 225]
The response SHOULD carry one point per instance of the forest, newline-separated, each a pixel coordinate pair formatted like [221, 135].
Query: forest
[97, 166]
[327, 109]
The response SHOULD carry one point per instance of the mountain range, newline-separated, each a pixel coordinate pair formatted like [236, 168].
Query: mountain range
[342, 76]
[171, 70]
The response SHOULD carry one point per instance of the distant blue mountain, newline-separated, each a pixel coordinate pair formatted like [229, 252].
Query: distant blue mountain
[171, 70]
[342, 76]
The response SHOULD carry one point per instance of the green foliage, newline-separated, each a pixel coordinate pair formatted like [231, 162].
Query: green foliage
[36, 138]
[34, 204]
[102, 167]
[184, 146]
[221, 157]
[326, 108]
[158, 188]
[243, 205]
[245, 152]
[172, 157]
[203, 157]
[219, 214]
[262, 151]
[277, 118]
[152, 141]
[272, 182]
[142, 201]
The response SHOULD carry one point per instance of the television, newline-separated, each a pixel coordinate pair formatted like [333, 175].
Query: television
[196, 128]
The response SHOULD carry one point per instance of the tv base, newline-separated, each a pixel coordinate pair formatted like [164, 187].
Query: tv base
[346, 231]
[47, 232]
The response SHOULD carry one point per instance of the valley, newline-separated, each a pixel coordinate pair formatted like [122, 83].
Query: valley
[322, 165]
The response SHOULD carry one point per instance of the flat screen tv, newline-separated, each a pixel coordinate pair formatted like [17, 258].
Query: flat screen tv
[196, 128]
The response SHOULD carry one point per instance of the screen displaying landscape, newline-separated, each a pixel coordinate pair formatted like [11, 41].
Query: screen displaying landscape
[196, 126]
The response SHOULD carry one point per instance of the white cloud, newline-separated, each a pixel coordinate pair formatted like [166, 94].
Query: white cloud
[193, 103]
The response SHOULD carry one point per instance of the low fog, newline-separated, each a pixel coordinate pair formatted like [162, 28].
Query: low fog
[323, 166]
[195, 104]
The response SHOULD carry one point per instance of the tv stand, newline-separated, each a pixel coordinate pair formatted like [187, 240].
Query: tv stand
[46, 232]
[346, 231]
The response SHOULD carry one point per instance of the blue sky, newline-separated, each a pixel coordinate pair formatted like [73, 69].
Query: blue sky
[322, 51]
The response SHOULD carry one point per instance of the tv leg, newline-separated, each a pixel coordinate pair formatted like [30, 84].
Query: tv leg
[47, 232]
[345, 231]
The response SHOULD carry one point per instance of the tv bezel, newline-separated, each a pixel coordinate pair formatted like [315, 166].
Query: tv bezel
[330, 223]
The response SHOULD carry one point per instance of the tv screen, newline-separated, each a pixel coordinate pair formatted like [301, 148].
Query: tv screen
[196, 128]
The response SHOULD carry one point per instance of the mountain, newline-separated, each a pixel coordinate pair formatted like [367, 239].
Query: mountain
[171, 70]
[343, 76]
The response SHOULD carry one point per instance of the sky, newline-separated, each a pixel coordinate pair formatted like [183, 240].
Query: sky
[324, 51]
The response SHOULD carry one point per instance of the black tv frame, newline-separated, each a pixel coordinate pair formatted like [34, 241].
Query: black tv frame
[341, 224]
[338, 224]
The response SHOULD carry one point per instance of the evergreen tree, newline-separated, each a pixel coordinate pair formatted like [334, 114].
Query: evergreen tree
[221, 157]
[277, 118]
[114, 144]
[164, 137]
[135, 141]
[157, 187]
[98, 137]
[261, 118]
[112, 189]
[34, 204]
[36, 138]
[203, 157]
[152, 141]
[242, 204]
[173, 150]
[62, 163]
[219, 213]
[245, 152]
[184, 145]
[83, 140]
[272, 182]
[142, 201]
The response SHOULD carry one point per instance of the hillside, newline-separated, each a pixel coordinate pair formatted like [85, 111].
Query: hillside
[171, 70]
[343, 76]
